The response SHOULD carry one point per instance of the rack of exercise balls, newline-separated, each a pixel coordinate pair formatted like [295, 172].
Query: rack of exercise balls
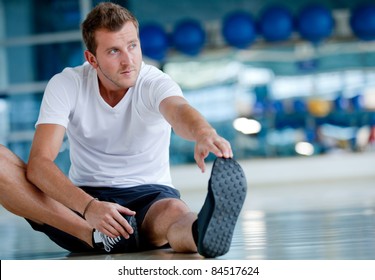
[239, 29]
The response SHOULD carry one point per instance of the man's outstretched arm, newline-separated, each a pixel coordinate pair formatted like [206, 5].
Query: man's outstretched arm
[188, 123]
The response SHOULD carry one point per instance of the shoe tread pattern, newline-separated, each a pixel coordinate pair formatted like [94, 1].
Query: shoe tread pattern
[229, 187]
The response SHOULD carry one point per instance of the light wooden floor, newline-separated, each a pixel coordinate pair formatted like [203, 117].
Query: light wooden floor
[332, 220]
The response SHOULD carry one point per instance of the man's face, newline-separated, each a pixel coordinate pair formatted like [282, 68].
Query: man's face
[118, 57]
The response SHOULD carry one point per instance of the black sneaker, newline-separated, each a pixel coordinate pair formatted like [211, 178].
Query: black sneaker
[216, 221]
[118, 244]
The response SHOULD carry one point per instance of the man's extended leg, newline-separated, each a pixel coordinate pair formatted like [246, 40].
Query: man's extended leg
[22, 198]
[171, 221]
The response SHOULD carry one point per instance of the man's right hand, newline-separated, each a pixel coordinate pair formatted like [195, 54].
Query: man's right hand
[107, 217]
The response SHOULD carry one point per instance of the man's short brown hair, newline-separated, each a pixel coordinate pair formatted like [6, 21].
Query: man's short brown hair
[105, 15]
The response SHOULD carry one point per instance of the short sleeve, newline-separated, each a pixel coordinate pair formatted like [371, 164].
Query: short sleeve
[58, 100]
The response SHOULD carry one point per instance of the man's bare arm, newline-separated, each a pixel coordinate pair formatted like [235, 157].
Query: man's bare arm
[43, 173]
[188, 123]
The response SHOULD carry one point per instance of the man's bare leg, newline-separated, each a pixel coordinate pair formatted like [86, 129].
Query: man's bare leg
[24, 199]
[170, 221]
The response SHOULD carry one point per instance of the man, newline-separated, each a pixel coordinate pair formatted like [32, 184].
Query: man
[117, 113]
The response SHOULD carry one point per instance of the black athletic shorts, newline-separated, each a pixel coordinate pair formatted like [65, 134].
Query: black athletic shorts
[138, 199]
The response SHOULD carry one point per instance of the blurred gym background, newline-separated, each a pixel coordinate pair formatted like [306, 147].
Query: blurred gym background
[291, 84]
[276, 79]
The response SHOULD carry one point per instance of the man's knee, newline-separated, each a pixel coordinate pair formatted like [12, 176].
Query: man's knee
[2, 151]
[11, 166]
[4, 155]
[163, 213]
[3, 160]
[174, 207]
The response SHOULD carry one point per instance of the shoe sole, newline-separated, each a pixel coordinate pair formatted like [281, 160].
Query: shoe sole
[216, 221]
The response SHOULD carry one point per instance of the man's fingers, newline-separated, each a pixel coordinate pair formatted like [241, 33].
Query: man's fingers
[125, 211]
[112, 232]
[222, 148]
[123, 226]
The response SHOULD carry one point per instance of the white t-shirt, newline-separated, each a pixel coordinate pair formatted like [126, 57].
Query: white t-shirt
[121, 146]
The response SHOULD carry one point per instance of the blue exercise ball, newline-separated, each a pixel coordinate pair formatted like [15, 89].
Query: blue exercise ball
[362, 22]
[154, 41]
[189, 37]
[315, 23]
[299, 106]
[239, 29]
[276, 24]
[357, 102]
[341, 103]
[277, 107]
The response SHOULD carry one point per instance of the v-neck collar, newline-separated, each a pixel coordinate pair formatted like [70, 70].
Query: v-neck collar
[103, 103]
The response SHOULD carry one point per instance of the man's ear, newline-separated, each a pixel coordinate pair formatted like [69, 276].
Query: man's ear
[91, 59]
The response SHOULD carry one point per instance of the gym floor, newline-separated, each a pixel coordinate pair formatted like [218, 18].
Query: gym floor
[313, 214]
